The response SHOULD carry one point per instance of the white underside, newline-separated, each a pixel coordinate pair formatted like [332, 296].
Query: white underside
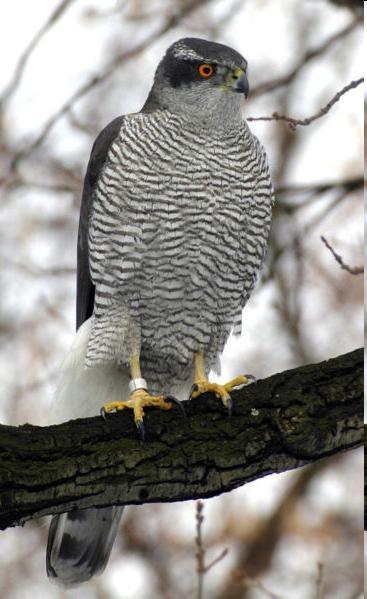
[82, 391]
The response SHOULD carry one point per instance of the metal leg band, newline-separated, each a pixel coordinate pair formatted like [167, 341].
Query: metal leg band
[136, 384]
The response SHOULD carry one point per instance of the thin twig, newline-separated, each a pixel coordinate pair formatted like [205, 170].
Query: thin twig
[278, 82]
[353, 270]
[55, 188]
[256, 584]
[310, 226]
[294, 123]
[222, 23]
[35, 271]
[313, 193]
[216, 560]
[200, 553]
[322, 187]
[327, 209]
[19, 70]
[320, 581]
[113, 10]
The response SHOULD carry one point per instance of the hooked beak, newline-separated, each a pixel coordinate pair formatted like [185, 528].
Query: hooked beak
[239, 82]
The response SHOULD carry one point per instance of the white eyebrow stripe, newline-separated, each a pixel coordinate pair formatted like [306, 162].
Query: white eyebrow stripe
[185, 52]
[182, 51]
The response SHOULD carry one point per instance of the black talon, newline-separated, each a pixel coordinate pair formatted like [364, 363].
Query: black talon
[177, 402]
[141, 428]
[193, 388]
[103, 413]
[230, 407]
[251, 377]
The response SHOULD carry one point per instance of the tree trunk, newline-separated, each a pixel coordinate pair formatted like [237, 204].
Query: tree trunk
[283, 422]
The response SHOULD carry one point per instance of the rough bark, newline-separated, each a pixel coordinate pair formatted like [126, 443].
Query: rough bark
[283, 422]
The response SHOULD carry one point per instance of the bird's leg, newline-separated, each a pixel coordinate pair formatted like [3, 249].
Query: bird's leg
[201, 384]
[139, 397]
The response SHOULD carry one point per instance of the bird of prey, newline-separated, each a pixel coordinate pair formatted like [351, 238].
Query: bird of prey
[174, 223]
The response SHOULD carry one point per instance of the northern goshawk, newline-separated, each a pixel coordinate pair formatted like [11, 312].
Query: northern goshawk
[174, 223]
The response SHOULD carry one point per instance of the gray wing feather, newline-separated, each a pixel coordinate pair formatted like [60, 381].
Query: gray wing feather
[80, 542]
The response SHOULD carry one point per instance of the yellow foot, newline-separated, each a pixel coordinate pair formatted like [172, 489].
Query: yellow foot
[220, 391]
[137, 401]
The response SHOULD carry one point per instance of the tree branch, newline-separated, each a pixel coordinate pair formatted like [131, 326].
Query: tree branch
[353, 270]
[254, 557]
[315, 221]
[19, 70]
[107, 71]
[283, 422]
[126, 55]
[355, 6]
[294, 123]
[319, 188]
[278, 82]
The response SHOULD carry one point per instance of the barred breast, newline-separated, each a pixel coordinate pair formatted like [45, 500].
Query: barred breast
[177, 235]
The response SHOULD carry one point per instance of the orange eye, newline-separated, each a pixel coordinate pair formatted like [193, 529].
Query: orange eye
[206, 70]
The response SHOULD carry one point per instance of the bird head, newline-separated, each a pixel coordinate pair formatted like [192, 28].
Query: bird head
[199, 77]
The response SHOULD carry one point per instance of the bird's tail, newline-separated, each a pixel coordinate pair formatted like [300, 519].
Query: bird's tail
[80, 542]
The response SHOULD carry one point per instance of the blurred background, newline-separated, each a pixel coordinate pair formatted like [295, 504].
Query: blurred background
[67, 69]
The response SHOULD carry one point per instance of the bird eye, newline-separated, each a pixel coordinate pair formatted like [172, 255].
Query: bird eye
[206, 70]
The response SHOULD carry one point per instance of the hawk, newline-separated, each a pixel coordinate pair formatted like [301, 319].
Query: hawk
[174, 222]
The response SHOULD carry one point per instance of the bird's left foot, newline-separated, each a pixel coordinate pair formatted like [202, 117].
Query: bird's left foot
[222, 392]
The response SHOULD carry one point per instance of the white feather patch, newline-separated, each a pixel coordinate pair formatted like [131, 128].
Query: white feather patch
[82, 391]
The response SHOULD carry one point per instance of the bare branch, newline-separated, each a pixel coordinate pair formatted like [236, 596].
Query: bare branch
[254, 557]
[33, 270]
[53, 18]
[307, 228]
[314, 192]
[216, 560]
[353, 270]
[253, 583]
[222, 23]
[278, 82]
[322, 187]
[355, 6]
[120, 59]
[108, 70]
[40, 186]
[320, 581]
[294, 123]
[200, 553]
[202, 569]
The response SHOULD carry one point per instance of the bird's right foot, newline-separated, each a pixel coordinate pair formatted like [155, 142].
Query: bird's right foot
[138, 400]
